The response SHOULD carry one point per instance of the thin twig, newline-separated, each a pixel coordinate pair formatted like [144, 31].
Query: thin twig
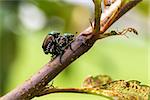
[73, 90]
[98, 12]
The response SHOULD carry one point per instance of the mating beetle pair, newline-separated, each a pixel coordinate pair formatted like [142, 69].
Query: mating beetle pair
[55, 44]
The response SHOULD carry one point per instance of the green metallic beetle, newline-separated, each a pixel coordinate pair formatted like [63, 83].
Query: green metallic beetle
[55, 44]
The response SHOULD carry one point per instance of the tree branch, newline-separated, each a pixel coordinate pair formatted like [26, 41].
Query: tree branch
[125, 8]
[49, 71]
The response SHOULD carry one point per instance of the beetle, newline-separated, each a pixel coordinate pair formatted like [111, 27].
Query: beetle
[50, 43]
[65, 40]
[55, 43]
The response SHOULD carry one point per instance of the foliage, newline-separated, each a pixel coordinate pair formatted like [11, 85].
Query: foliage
[118, 89]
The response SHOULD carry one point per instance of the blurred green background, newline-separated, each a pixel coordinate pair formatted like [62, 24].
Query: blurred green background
[25, 23]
